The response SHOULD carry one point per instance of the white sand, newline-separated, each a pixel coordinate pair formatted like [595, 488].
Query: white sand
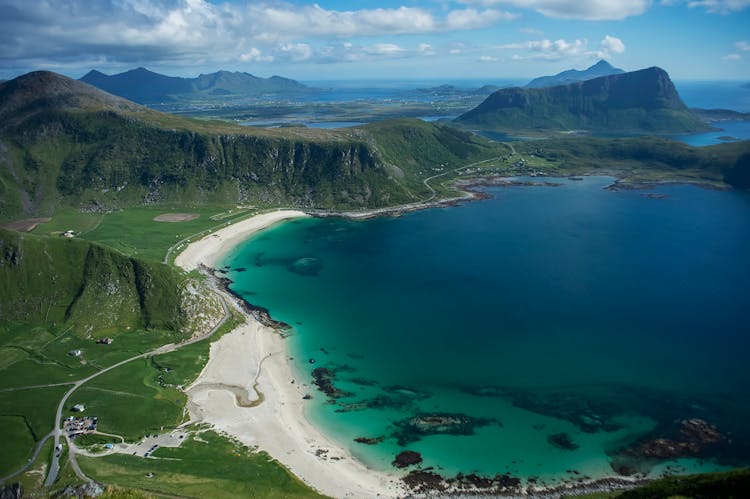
[210, 249]
[277, 425]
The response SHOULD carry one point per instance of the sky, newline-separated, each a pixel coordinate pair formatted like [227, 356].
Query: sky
[376, 39]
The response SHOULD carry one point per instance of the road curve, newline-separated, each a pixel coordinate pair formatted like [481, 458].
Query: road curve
[54, 468]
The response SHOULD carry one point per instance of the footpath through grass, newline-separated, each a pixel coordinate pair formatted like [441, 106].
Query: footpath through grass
[205, 466]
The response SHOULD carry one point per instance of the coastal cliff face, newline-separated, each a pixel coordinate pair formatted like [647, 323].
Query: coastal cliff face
[63, 142]
[644, 101]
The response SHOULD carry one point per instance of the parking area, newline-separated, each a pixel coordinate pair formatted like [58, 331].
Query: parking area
[148, 445]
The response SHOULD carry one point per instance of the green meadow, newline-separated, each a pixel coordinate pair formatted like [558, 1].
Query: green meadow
[206, 465]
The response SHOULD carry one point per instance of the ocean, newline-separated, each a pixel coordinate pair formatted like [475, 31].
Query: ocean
[550, 333]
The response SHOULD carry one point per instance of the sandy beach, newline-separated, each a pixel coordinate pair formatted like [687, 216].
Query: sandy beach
[252, 360]
[213, 247]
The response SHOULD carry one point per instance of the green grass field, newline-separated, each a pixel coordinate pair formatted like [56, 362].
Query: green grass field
[18, 443]
[25, 417]
[33, 478]
[143, 396]
[135, 233]
[69, 219]
[36, 355]
[210, 467]
[130, 402]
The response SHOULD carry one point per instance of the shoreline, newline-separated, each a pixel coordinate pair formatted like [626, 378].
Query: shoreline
[264, 408]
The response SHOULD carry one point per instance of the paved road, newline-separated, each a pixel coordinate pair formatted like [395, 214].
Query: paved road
[57, 432]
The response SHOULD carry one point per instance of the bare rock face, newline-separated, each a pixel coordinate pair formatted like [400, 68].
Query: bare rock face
[11, 491]
[89, 489]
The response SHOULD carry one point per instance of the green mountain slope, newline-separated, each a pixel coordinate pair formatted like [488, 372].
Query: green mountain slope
[65, 143]
[61, 280]
[644, 101]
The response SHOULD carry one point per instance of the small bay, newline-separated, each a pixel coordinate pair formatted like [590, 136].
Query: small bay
[603, 316]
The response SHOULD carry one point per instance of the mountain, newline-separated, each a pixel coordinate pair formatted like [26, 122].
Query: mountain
[601, 68]
[644, 101]
[145, 87]
[64, 143]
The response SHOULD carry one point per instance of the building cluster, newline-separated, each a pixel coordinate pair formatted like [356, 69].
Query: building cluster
[74, 426]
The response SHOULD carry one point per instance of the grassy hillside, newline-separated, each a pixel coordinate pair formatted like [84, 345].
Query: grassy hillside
[61, 280]
[66, 144]
[415, 150]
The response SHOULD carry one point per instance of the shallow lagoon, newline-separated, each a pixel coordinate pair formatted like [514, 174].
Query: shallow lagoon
[603, 315]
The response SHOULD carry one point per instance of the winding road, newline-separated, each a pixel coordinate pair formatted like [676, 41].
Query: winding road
[57, 433]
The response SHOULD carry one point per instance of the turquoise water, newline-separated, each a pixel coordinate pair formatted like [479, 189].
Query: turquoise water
[603, 315]
[737, 130]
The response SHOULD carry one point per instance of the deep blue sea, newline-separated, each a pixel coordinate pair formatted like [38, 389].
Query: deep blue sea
[607, 317]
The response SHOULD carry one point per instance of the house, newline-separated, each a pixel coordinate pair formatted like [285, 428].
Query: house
[75, 353]
[104, 341]
[79, 408]
[69, 233]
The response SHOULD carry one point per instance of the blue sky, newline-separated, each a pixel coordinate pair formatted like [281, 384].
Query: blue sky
[369, 39]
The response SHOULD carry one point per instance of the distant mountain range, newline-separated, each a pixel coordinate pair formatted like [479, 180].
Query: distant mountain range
[64, 143]
[601, 68]
[644, 101]
[146, 87]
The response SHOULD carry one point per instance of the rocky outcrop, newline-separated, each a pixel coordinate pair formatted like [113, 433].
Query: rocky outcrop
[407, 458]
[694, 437]
[413, 429]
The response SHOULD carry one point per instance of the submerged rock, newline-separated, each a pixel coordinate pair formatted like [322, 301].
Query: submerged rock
[369, 440]
[307, 266]
[562, 441]
[694, 437]
[413, 429]
[324, 378]
[407, 458]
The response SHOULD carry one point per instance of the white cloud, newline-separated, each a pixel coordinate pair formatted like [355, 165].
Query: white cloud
[488, 58]
[465, 19]
[383, 49]
[255, 55]
[564, 49]
[742, 46]
[720, 6]
[592, 10]
[732, 57]
[297, 51]
[174, 32]
[426, 49]
[610, 46]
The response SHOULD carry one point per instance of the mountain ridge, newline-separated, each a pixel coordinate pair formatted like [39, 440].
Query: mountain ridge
[74, 145]
[643, 101]
[601, 68]
[147, 87]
